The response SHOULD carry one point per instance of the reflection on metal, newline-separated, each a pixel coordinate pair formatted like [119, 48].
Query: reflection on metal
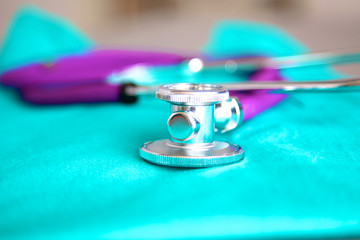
[228, 115]
[347, 84]
[191, 128]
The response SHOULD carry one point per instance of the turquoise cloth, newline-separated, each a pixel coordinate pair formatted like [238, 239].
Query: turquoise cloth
[74, 172]
[36, 36]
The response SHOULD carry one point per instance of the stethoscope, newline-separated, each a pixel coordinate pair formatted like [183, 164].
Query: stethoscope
[197, 110]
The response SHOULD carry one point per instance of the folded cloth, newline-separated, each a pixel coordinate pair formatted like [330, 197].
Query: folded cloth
[36, 36]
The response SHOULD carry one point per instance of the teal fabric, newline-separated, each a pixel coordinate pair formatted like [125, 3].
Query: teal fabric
[73, 172]
[232, 37]
[229, 38]
[36, 36]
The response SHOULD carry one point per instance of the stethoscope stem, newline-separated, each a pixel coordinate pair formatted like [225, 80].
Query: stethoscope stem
[346, 56]
[347, 84]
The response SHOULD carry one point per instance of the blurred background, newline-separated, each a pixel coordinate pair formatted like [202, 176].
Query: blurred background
[183, 25]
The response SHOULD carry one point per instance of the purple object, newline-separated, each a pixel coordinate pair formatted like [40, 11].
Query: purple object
[82, 78]
[86, 93]
[88, 68]
[255, 102]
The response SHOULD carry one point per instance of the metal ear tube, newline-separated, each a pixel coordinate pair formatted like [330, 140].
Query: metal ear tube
[191, 127]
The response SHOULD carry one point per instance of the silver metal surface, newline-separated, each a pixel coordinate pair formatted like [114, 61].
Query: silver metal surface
[191, 127]
[204, 114]
[228, 115]
[227, 112]
[183, 126]
[165, 152]
[192, 94]
[346, 84]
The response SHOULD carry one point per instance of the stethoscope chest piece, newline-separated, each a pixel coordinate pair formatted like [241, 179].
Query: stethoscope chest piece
[191, 128]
